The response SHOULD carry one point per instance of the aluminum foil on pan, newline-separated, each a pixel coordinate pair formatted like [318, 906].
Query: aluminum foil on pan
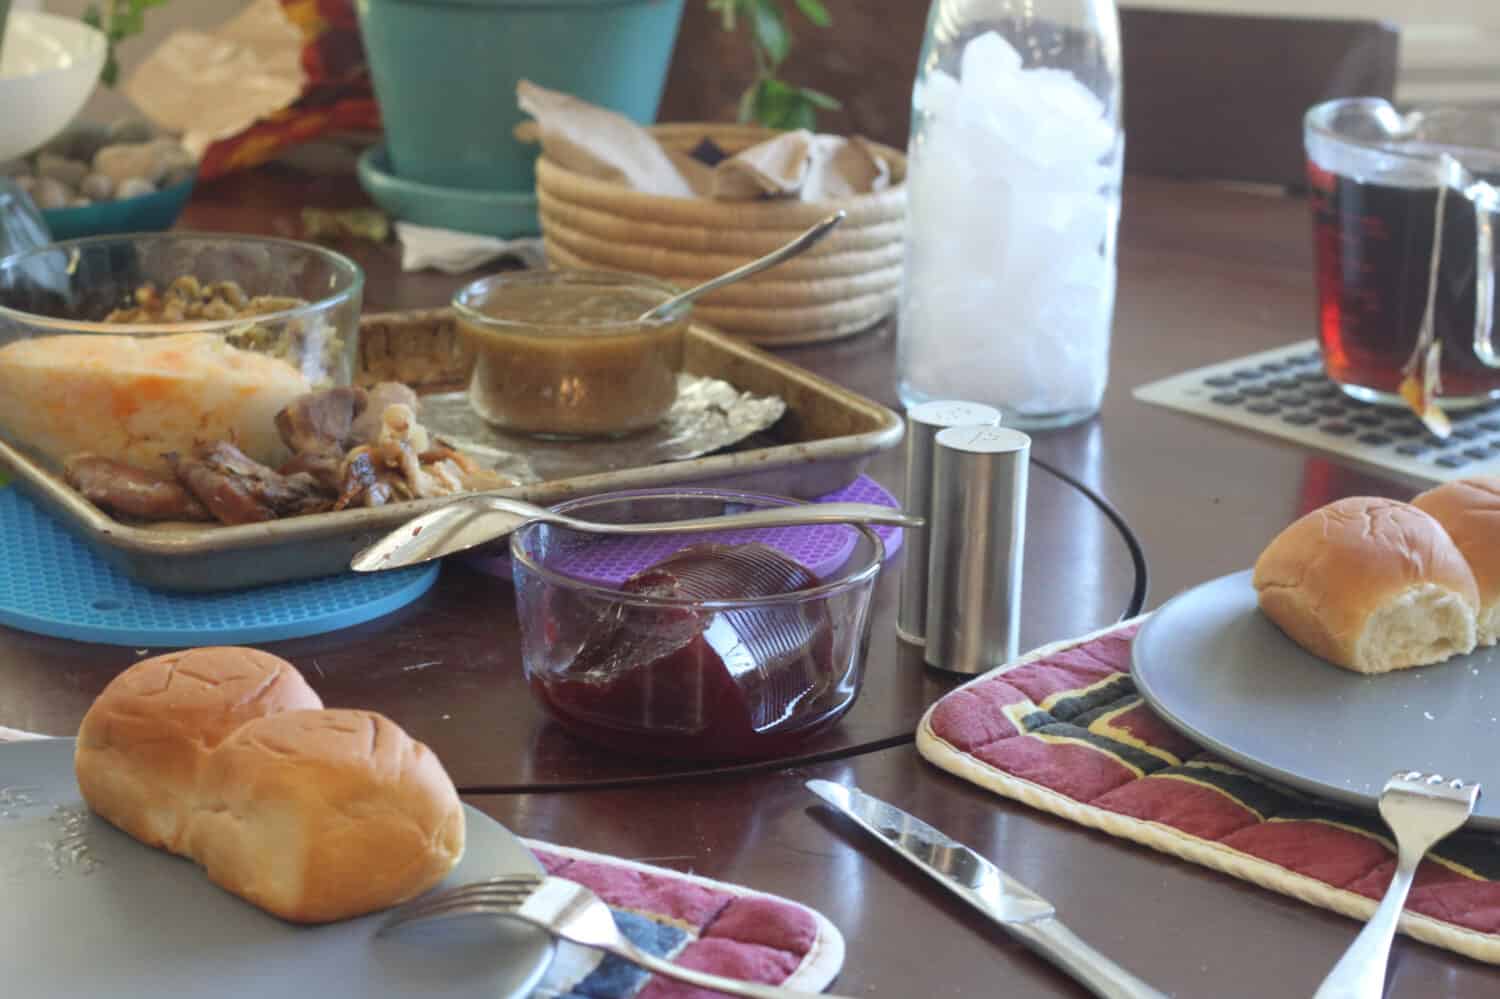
[709, 415]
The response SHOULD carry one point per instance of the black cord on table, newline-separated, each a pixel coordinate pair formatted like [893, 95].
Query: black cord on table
[1137, 553]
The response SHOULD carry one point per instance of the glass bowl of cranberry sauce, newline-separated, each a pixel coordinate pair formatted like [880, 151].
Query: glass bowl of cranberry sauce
[731, 645]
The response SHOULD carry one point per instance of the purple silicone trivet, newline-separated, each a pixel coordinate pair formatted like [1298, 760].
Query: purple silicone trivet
[866, 490]
[611, 561]
[822, 549]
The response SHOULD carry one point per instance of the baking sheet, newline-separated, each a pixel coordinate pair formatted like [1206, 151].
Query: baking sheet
[824, 439]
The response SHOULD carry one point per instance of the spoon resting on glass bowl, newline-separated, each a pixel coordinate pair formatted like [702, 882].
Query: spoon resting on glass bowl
[476, 520]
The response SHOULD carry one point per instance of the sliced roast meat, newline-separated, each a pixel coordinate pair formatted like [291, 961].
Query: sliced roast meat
[317, 428]
[363, 481]
[321, 421]
[239, 490]
[321, 466]
[370, 423]
[131, 492]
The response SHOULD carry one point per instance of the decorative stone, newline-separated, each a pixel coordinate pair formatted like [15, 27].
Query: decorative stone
[176, 176]
[98, 187]
[151, 160]
[129, 130]
[51, 193]
[80, 141]
[70, 172]
[81, 168]
[120, 163]
[134, 187]
[177, 157]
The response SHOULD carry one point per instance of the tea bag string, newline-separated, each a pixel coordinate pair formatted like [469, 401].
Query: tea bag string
[1422, 383]
[1486, 198]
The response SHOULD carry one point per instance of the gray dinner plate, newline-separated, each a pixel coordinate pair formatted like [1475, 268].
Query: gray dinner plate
[1216, 668]
[89, 911]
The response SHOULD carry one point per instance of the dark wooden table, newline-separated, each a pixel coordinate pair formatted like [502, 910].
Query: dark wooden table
[447, 667]
[1207, 274]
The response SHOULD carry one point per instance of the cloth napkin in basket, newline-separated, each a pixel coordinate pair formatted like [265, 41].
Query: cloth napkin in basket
[1064, 730]
[603, 144]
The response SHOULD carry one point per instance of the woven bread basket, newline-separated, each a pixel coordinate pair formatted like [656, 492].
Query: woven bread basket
[846, 283]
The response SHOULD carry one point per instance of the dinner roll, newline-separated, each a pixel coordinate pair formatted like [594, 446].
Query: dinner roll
[144, 739]
[321, 815]
[1370, 584]
[1469, 509]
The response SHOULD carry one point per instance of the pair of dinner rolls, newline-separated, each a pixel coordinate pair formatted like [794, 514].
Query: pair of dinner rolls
[1375, 585]
[227, 756]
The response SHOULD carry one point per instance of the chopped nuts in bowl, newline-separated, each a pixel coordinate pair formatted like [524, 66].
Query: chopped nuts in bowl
[187, 299]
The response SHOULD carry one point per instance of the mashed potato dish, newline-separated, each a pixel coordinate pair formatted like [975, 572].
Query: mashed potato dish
[136, 399]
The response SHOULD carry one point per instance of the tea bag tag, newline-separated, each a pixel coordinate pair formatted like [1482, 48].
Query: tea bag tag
[1421, 381]
[1420, 388]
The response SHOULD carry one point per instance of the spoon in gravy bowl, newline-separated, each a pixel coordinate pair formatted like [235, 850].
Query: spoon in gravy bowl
[475, 520]
[779, 255]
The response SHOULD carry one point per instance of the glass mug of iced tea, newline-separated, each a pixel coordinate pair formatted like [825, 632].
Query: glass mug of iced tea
[1404, 209]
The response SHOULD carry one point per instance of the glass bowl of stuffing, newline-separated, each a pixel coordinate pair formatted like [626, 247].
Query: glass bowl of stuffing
[137, 347]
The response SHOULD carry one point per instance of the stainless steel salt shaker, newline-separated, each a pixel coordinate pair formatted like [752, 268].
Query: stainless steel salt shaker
[977, 515]
[923, 422]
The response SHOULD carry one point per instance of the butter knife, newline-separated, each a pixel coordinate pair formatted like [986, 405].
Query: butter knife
[1021, 911]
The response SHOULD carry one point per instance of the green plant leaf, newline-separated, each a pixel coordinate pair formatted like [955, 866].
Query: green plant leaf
[726, 9]
[777, 104]
[770, 101]
[818, 99]
[800, 114]
[771, 35]
[126, 18]
[815, 12]
[94, 18]
[747, 103]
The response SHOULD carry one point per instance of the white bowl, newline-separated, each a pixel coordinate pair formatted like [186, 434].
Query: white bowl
[47, 70]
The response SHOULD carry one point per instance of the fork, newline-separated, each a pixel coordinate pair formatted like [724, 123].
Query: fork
[1421, 809]
[572, 912]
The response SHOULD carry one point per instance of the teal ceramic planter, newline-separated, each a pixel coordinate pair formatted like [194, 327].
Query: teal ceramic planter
[445, 74]
[487, 213]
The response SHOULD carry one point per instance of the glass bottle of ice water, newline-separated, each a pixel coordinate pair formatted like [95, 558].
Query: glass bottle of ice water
[1013, 200]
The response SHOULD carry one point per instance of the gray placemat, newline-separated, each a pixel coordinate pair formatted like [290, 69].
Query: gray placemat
[1284, 393]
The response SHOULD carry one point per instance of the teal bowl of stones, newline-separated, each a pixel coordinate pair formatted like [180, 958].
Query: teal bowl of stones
[152, 212]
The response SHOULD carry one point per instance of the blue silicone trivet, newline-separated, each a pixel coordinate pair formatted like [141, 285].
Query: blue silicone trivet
[52, 584]
[822, 549]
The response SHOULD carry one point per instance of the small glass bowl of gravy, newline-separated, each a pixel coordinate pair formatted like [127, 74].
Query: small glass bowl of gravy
[564, 354]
